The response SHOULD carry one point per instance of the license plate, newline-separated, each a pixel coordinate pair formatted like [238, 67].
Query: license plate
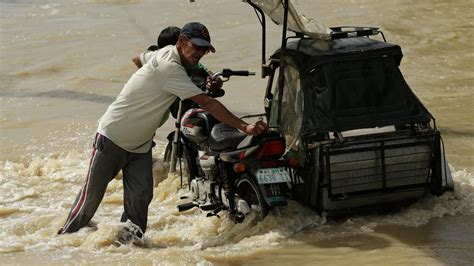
[272, 175]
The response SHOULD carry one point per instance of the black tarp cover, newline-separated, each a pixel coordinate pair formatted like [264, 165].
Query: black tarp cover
[346, 84]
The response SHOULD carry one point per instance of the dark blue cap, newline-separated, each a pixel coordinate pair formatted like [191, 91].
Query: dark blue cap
[198, 34]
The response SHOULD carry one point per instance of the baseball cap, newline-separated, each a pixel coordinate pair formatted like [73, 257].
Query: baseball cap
[198, 34]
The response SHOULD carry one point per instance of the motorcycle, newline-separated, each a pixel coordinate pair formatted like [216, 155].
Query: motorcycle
[227, 169]
[363, 138]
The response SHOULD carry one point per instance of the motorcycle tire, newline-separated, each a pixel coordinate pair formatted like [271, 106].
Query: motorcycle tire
[248, 190]
[167, 155]
[190, 165]
[189, 168]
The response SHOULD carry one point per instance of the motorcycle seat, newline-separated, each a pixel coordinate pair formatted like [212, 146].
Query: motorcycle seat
[224, 137]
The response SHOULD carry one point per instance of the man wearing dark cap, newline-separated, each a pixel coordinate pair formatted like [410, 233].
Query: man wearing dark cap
[126, 130]
[199, 74]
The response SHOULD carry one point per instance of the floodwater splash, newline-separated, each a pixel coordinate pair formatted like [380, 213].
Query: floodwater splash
[35, 198]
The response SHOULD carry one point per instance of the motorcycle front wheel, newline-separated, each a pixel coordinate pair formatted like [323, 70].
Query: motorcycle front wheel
[167, 155]
[248, 190]
[189, 167]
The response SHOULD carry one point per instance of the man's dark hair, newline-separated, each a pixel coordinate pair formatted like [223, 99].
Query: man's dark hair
[168, 36]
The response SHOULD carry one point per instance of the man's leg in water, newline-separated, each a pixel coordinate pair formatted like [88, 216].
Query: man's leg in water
[138, 189]
[106, 161]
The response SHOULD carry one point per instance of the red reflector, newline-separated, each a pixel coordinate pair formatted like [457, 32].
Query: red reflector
[239, 167]
[293, 162]
[271, 150]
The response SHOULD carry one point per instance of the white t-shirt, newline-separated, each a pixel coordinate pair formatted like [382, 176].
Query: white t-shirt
[132, 119]
[145, 56]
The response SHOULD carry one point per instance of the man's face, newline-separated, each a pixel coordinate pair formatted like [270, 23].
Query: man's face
[189, 52]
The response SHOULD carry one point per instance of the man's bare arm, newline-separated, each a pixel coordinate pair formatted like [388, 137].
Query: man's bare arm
[219, 111]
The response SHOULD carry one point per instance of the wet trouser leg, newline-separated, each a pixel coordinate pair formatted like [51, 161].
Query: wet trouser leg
[138, 188]
[106, 161]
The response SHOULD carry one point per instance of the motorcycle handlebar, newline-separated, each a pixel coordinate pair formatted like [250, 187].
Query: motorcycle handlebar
[226, 73]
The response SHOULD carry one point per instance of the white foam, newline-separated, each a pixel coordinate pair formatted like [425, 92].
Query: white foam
[36, 198]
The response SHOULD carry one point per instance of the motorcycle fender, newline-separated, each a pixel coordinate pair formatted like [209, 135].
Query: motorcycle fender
[274, 194]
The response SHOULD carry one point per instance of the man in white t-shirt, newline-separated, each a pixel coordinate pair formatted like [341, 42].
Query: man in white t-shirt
[125, 132]
[199, 74]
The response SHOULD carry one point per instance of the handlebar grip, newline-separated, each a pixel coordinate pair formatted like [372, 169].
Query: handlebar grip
[228, 72]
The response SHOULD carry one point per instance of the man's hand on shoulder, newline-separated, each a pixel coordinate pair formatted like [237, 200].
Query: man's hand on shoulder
[136, 60]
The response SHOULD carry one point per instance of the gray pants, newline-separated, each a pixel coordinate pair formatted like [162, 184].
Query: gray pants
[107, 160]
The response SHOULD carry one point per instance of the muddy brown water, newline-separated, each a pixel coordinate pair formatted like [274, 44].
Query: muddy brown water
[63, 62]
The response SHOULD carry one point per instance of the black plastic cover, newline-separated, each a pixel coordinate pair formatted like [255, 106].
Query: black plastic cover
[350, 84]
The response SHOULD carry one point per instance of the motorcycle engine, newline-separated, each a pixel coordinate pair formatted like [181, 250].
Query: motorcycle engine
[200, 188]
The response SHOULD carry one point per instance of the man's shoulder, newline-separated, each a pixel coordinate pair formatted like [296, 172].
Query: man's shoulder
[163, 62]
[169, 53]
[168, 66]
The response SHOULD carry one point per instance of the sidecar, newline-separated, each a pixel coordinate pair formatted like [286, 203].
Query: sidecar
[362, 137]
